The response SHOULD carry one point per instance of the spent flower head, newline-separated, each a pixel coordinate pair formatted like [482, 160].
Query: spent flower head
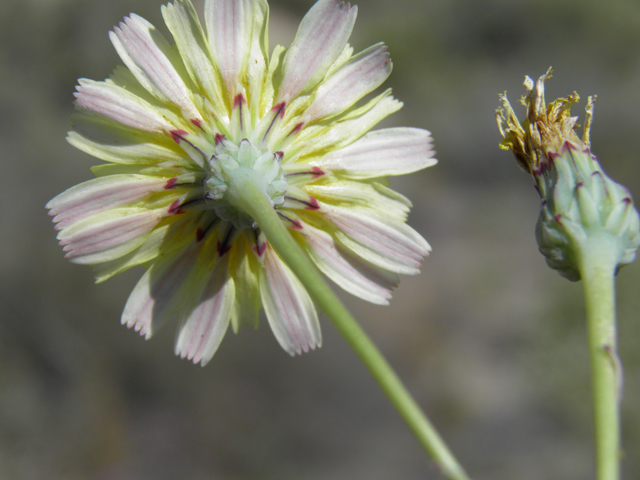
[579, 201]
[184, 128]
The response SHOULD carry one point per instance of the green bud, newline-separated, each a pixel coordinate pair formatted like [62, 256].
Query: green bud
[579, 201]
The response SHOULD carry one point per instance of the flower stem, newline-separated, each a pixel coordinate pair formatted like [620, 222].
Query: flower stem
[258, 206]
[598, 261]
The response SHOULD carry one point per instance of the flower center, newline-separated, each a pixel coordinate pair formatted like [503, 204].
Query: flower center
[232, 168]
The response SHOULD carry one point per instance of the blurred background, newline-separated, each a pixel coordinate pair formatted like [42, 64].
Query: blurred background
[491, 341]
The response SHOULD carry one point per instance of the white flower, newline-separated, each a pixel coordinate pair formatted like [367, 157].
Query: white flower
[179, 121]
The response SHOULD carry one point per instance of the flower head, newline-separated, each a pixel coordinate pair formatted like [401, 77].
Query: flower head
[579, 201]
[180, 125]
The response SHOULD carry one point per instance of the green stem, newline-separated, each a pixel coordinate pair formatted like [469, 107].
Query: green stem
[598, 261]
[258, 206]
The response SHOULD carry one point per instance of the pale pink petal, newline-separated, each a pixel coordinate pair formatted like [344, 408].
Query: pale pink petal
[107, 235]
[321, 37]
[184, 25]
[147, 54]
[116, 143]
[352, 273]
[233, 26]
[202, 331]
[342, 133]
[391, 151]
[153, 299]
[258, 92]
[388, 238]
[296, 199]
[118, 104]
[100, 194]
[372, 195]
[162, 242]
[359, 76]
[290, 312]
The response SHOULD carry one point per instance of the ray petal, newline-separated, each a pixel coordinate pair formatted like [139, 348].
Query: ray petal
[401, 246]
[290, 311]
[321, 38]
[148, 55]
[359, 76]
[154, 298]
[349, 271]
[234, 27]
[100, 194]
[108, 235]
[118, 104]
[184, 25]
[200, 334]
[391, 151]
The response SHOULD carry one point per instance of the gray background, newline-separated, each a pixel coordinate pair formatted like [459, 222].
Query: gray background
[489, 340]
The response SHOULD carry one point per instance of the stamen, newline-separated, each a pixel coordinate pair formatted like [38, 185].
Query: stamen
[224, 246]
[315, 172]
[311, 204]
[202, 231]
[295, 223]
[174, 209]
[279, 112]
[296, 129]
[180, 136]
[238, 103]
[219, 138]
[260, 245]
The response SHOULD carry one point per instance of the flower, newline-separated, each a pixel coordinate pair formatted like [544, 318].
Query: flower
[180, 123]
[581, 205]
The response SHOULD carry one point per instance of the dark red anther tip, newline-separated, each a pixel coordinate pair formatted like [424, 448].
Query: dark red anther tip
[260, 249]
[279, 108]
[178, 135]
[223, 248]
[174, 208]
[238, 100]
[312, 204]
[296, 129]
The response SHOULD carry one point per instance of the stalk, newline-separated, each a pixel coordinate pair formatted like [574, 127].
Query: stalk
[255, 203]
[598, 260]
